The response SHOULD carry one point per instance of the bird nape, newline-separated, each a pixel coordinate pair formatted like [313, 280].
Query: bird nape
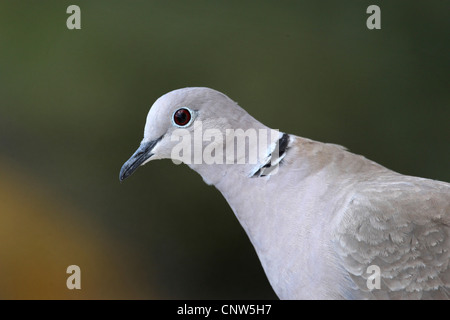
[325, 223]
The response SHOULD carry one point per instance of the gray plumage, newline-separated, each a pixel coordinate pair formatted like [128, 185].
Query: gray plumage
[324, 215]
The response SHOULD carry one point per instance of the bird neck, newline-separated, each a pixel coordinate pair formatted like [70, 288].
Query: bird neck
[240, 154]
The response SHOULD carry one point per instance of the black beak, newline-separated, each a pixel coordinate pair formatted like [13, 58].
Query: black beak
[143, 153]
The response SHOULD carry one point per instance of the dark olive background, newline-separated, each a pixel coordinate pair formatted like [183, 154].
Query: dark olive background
[73, 107]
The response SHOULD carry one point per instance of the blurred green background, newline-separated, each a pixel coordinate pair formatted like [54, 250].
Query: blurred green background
[73, 107]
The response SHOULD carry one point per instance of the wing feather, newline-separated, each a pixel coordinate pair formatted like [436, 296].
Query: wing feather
[402, 225]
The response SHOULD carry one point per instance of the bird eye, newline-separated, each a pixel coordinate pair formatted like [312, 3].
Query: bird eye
[182, 117]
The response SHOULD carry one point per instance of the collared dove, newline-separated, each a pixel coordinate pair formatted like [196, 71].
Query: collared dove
[327, 223]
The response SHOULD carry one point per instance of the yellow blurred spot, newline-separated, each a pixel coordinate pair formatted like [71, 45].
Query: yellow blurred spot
[40, 236]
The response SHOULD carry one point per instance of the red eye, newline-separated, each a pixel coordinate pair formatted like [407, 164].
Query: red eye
[181, 117]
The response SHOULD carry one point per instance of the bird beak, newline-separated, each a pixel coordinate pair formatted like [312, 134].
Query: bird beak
[142, 154]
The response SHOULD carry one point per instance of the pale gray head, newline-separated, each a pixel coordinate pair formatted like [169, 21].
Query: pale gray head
[183, 108]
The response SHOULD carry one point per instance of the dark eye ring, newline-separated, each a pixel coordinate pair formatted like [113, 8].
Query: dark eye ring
[182, 117]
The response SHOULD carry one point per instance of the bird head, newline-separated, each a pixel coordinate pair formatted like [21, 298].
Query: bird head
[176, 116]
